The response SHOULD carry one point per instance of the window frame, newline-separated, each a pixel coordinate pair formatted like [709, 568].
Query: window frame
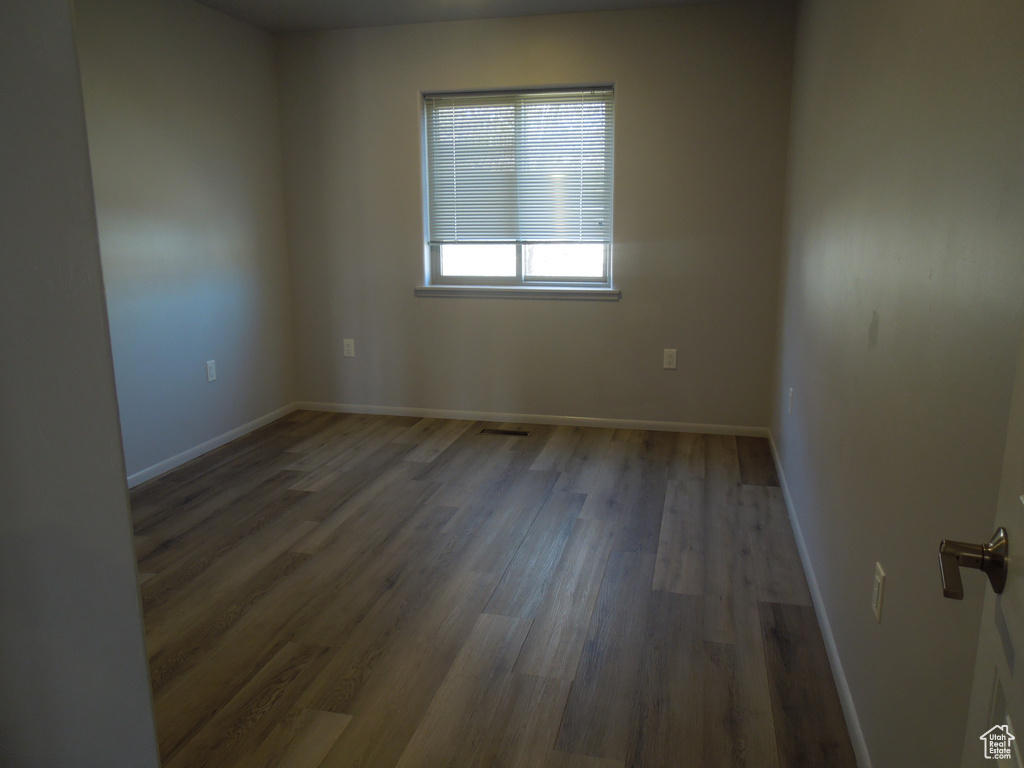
[520, 278]
[563, 286]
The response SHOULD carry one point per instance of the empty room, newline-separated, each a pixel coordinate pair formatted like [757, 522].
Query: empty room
[590, 383]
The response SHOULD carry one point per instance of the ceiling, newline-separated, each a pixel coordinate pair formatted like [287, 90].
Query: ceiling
[306, 15]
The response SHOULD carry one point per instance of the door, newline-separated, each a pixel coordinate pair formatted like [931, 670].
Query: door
[997, 697]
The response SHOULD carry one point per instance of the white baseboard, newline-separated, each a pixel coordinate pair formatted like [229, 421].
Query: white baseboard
[860, 745]
[533, 418]
[176, 461]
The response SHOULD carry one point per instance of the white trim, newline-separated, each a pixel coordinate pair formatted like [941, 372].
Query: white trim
[177, 460]
[517, 292]
[860, 745]
[533, 418]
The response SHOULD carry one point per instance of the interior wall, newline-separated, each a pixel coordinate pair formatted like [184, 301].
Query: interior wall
[702, 109]
[74, 684]
[182, 113]
[902, 305]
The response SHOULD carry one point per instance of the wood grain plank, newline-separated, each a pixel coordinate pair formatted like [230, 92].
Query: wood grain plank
[559, 630]
[456, 728]
[559, 448]
[392, 489]
[302, 424]
[200, 689]
[729, 590]
[526, 579]
[753, 697]
[250, 715]
[640, 523]
[339, 438]
[722, 737]
[731, 616]
[721, 461]
[470, 447]
[777, 566]
[757, 466]
[582, 467]
[398, 616]
[313, 735]
[669, 709]
[144, 544]
[680, 566]
[376, 555]
[688, 457]
[501, 521]
[299, 740]
[558, 759]
[201, 531]
[229, 582]
[360, 464]
[533, 718]
[480, 465]
[617, 484]
[809, 724]
[596, 720]
[631, 489]
[429, 445]
[392, 703]
[192, 493]
[177, 648]
[186, 696]
[422, 431]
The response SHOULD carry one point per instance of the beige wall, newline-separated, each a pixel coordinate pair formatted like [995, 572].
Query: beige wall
[183, 125]
[902, 306]
[702, 106]
[74, 687]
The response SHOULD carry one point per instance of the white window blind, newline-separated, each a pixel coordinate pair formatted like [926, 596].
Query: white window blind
[524, 167]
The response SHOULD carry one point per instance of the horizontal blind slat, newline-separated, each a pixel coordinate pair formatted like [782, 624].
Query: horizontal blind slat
[532, 166]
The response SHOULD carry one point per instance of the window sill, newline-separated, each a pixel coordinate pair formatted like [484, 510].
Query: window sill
[517, 292]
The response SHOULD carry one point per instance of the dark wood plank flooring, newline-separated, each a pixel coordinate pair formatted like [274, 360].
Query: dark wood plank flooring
[348, 590]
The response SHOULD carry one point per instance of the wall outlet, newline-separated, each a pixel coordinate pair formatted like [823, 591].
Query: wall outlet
[668, 359]
[349, 347]
[878, 592]
[789, 407]
[211, 370]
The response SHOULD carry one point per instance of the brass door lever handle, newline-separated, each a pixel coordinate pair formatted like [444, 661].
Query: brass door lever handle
[988, 558]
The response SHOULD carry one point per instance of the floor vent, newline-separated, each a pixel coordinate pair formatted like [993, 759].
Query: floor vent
[509, 432]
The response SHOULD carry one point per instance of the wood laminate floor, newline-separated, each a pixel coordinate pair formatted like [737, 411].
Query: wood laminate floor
[345, 590]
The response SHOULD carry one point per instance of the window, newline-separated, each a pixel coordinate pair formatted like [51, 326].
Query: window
[519, 188]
